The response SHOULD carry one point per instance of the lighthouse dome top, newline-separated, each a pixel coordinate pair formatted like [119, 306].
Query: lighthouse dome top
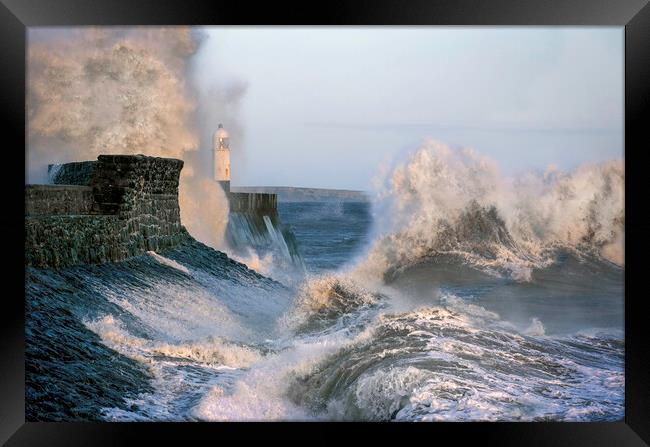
[221, 132]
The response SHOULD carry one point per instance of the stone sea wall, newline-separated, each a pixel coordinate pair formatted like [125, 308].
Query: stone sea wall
[241, 202]
[254, 223]
[293, 194]
[48, 200]
[117, 207]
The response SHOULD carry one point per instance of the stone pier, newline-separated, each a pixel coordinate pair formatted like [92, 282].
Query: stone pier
[103, 211]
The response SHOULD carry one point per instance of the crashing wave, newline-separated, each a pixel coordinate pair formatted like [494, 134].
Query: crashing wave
[445, 202]
[323, 299]
[215, 351]
[434, 375]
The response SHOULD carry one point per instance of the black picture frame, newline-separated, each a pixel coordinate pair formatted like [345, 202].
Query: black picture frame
[17, 15]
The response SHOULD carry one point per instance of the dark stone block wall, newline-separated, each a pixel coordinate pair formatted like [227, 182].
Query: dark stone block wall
[47, 200]
[129, 206]
[59, 241]
[143, 192]
[243, 202]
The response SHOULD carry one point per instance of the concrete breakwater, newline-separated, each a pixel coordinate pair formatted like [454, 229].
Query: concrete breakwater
[103, 211]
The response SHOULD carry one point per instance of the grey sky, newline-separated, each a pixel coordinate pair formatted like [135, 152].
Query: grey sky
[326, 106]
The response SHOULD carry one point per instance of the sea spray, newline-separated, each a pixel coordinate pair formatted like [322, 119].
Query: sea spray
[258, 239]
[444, 201]
[129, 90]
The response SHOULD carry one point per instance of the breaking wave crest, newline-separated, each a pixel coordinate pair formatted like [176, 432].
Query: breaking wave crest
[323, 299]
[461, 362]
[214, 351]
[451, 207]
[454, 203]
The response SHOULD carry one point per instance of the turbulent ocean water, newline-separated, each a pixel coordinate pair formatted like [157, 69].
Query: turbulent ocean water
[442, 312]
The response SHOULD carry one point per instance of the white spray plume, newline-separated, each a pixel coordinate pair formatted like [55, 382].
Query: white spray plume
[129, 90]
[454, 201]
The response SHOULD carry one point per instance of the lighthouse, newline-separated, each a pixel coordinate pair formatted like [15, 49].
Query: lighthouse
[221, 157]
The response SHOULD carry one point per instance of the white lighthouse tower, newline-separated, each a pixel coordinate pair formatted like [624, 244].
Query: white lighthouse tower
[221, 157]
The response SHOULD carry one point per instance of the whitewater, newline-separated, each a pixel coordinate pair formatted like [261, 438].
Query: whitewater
[456, 295]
